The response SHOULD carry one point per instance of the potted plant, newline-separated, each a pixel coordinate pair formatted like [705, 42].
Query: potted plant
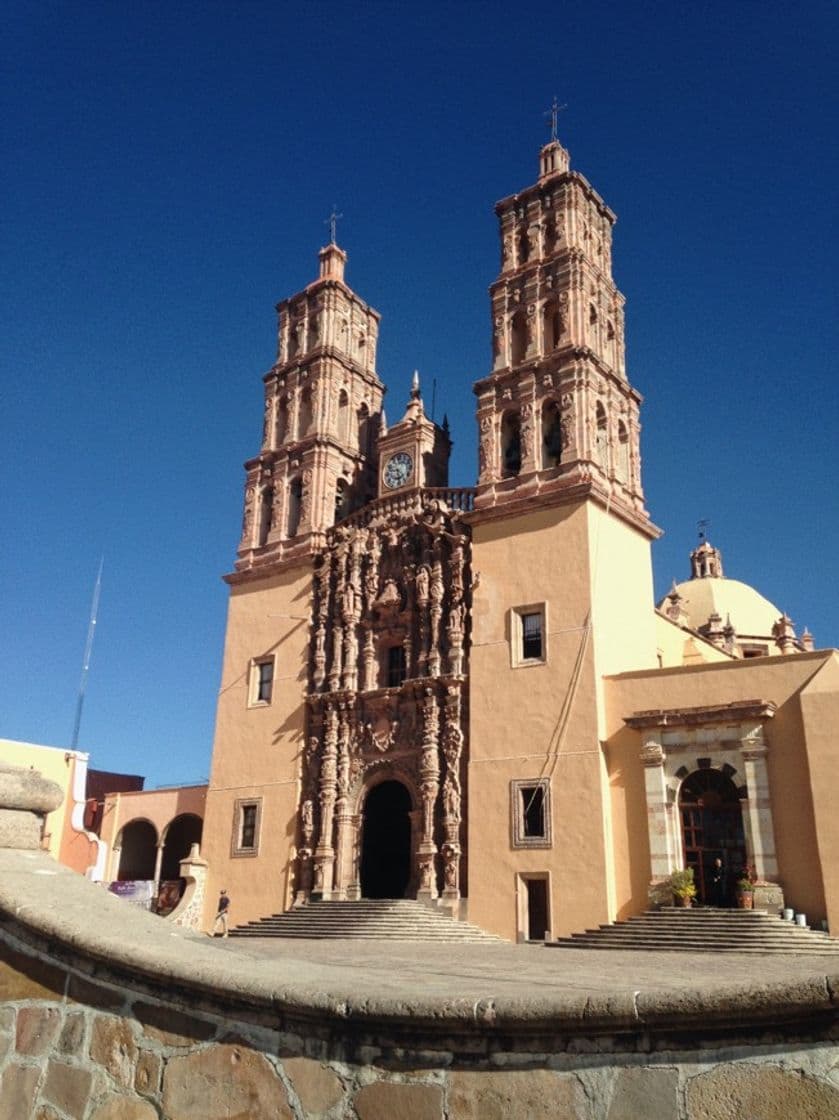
[683, 886]
[746, 888]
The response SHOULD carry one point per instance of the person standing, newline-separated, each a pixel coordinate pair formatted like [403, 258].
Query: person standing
[221, 918]
[718, 891]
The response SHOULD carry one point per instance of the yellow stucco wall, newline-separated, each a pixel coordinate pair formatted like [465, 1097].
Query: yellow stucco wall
[58, 765]
[257, 750]
[801, 763]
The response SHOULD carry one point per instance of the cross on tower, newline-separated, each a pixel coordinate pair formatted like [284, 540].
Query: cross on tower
[702, 526]
[332, 222]
[553, 113]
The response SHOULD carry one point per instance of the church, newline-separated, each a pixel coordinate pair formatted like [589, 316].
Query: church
[468, 696]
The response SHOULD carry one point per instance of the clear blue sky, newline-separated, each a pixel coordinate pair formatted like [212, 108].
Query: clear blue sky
[167, 171]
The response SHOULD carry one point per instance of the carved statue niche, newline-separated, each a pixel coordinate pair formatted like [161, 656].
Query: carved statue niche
[423, 584]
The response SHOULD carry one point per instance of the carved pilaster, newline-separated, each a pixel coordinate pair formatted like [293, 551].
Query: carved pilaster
[324, 853]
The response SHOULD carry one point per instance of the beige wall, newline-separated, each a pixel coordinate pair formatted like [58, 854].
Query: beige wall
[158, 806]
[546, 720]
[675, 646]
[256, 753]
[801, 767]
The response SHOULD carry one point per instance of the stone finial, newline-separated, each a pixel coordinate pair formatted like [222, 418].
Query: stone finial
[675, 608]
[714, 631]
[807, 642]
[784, 634]
[25, 799]
[729, 635]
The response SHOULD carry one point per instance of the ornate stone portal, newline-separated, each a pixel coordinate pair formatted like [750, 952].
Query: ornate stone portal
[387, 690]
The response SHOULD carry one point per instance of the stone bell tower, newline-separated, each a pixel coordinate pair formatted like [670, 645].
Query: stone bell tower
[557, 412]
[323, 401]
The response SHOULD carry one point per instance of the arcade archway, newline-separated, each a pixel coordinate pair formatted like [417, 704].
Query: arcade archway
[138, 851]
[182, 833]
[386, 842]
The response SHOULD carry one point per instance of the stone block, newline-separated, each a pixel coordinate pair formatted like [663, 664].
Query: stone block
[651, 1093]
[124, 1108]
[71, 1039]
[85, 991]
[7, 1020]
[515, 1095]
[68, 1087]
[46, 1112]
[147, 1073]
[22, 788]
[18, 1086]
[223, 1083]
[733, 1092]
[37, 1028]
[172, 1028]
[20, 829]
[112, 1046]
[317, 1086]
[385, 1100]
[24, 977]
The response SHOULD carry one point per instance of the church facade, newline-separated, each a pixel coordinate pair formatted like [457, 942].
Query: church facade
[466, 695]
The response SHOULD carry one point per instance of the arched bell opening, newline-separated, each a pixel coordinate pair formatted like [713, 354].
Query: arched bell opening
[386, 841]
[712, 829]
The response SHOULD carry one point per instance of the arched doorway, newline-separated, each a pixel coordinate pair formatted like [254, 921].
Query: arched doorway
[138, 851]
[712, 828]
[386, 842]
[182, 833]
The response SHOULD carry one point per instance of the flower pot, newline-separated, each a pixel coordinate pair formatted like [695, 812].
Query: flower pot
[686, 901]
[746, 901]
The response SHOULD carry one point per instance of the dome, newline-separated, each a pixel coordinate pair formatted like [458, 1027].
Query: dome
[751, 614]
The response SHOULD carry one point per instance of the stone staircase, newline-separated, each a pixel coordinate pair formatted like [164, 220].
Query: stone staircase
[704, 930]
[379, 918]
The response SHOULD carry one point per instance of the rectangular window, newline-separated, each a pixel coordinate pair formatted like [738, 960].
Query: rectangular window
[531, 637]
[531, 813]
[262, 681]
[528, 635]
[395, 666]
[246, 820]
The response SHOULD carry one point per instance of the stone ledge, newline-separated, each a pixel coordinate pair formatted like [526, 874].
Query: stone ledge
[48, 908]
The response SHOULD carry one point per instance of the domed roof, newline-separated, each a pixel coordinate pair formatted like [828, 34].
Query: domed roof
[751, 614]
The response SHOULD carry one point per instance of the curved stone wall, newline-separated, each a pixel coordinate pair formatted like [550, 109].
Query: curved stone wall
[111, 1014]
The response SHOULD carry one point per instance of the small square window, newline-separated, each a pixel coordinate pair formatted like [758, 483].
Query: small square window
[262, 681]
[528, 635]
[530, 811]
[395, 666]
[246, 820]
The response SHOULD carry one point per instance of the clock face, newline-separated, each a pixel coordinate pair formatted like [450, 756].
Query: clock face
[398, 469]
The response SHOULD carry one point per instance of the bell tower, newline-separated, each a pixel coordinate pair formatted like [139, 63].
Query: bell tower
[557, 412]
[323, 401]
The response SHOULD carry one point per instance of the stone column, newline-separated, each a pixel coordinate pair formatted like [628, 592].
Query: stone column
[757, 809]
[429, 774]
[158, 861]
[325, 853]
[663, 847]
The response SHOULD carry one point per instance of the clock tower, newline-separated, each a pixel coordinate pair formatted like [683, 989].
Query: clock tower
[415, 452]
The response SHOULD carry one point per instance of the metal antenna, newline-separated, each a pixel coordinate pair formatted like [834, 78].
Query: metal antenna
[332, 222]
[553, 113]
[88, 650]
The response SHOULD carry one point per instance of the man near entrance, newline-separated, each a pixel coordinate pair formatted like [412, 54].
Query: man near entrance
[718, 891]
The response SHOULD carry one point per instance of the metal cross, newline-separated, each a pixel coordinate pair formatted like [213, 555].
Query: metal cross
[553, 113]
[332, 222]
[702, 527]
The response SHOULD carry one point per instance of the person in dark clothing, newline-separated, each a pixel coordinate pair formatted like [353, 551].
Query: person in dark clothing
[718, 891]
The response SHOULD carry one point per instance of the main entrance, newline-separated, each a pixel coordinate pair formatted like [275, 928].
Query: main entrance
[712, 828]
[386, 842]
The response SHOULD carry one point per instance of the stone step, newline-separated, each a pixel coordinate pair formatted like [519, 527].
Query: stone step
[704, 930]
[369, 919]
